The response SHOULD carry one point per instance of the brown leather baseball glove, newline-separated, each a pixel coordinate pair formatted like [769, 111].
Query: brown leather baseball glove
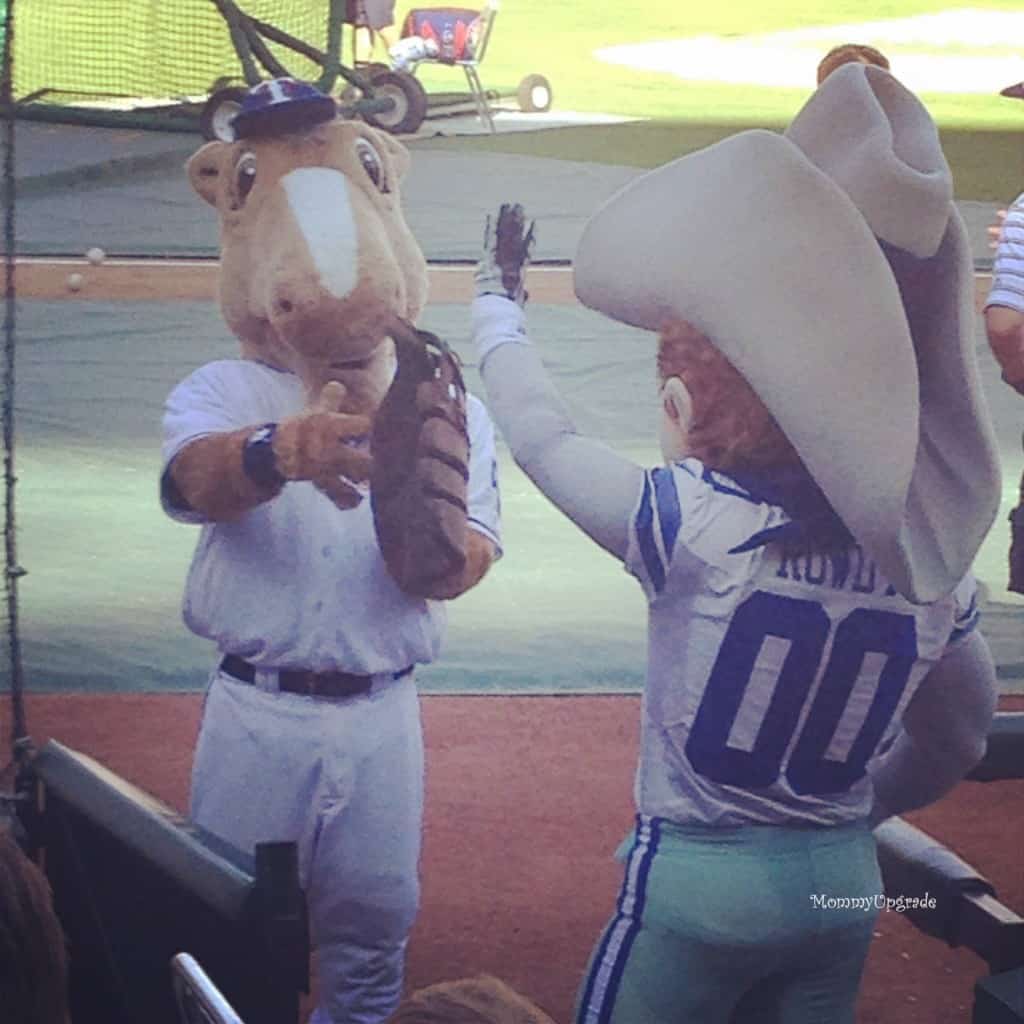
[420, 470]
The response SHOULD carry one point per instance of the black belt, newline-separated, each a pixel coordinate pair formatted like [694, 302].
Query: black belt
[307, 684]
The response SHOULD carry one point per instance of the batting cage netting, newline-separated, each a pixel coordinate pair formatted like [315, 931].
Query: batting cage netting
[134, 53]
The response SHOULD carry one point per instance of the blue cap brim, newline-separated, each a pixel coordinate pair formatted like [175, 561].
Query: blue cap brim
[282, 118]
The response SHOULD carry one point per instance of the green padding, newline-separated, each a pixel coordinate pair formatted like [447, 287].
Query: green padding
[144, 824]
[999, 999]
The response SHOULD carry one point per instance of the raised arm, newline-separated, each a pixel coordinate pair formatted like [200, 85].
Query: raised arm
[595, 487]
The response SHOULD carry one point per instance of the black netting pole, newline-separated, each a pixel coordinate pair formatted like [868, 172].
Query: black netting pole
[13, 571]
[235, 18]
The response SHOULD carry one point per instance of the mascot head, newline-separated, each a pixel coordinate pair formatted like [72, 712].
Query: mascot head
[831, 271]
[316, 257]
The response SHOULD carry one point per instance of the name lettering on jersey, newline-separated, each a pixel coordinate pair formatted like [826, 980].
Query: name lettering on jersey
[849, 570]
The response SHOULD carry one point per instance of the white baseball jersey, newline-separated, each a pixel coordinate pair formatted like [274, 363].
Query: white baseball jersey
[296, 582]
[774, 675]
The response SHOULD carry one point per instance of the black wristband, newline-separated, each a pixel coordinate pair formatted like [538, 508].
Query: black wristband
[258, 460]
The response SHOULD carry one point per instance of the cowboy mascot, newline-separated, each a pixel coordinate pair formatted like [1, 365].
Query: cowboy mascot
[830, 472]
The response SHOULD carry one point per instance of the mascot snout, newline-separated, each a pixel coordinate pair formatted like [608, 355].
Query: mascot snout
[317, 261]
[334, 282]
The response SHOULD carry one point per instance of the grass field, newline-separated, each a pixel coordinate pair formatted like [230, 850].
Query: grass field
[59, 41]
[559, 40]
[987, 164]
[981, 134]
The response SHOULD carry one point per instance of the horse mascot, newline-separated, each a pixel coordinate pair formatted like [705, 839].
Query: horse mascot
[297, 460]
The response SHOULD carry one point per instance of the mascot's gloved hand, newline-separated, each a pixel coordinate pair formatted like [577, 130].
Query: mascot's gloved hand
[507, 246]
[326, 446]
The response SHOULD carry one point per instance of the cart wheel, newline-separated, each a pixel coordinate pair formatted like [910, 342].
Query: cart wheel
[534, 94]
[215, 119]
[353, 92]
[409, 98]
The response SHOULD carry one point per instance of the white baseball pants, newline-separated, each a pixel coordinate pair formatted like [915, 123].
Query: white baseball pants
[344, 780]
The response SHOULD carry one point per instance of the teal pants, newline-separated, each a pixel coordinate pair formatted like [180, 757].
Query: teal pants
[736, 925]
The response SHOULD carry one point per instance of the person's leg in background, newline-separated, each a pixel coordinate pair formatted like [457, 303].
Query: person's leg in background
[373, 23]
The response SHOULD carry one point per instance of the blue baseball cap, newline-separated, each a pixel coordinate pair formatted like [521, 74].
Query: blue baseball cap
[281, 105]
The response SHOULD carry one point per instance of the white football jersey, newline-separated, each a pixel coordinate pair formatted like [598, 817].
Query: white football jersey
[774, 675]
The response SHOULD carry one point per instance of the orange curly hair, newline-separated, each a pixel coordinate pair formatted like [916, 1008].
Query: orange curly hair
[730, 427]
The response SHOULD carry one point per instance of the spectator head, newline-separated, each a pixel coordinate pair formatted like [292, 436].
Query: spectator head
[482, 1000]
[33, 955]
[850, 53]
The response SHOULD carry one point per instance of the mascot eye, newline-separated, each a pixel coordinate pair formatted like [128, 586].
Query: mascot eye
[245, 177]
[372, 164]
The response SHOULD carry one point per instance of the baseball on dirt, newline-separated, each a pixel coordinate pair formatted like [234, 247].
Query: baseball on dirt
[95, 255]
[75, 282]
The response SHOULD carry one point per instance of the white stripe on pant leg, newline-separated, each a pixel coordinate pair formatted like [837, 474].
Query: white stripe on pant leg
[617, 941]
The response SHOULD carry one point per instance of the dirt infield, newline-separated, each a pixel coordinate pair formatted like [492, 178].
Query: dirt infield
[527, 797]
[149, 279]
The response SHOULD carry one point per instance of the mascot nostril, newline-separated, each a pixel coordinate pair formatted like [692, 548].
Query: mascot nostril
[322, 596]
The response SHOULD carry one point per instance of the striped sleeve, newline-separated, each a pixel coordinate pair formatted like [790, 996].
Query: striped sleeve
[966, 613]
[1008, 265]
[655, 529]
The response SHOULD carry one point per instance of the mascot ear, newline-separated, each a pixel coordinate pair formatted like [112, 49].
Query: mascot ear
[203, 169]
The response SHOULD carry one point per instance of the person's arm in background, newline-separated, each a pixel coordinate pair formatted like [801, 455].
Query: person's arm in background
[1004, 307]
[944, 733]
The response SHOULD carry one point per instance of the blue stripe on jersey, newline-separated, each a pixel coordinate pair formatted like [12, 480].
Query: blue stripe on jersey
[762, 537]
[726, 485]
[611, 956]
[967, 621]
[645, 537]
[668, 509]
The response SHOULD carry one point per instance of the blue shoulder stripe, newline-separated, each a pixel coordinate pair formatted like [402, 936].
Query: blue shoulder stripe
[645, 537]
[668, 508]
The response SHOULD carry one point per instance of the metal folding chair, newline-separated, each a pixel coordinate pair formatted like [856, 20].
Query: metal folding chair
[199, 1001]
[460, 36]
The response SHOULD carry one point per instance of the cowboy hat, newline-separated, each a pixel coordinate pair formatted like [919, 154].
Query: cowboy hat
[830, 266]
